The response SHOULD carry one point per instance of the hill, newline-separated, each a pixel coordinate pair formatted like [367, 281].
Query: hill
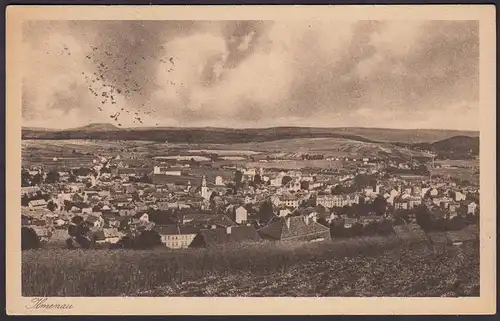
[456, 147]
[210, 135]
[330, 147]
[96, 127]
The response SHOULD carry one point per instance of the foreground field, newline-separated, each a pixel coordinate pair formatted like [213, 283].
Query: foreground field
[395, 273]
[371, 266]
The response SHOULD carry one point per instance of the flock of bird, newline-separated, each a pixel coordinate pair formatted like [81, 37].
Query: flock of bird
[107, 83]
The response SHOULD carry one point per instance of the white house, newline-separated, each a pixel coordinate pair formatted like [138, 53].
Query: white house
[284, 212]
[218, 181]
[37, 204]
[241, 215]
[471, 208]
[144, 218]
[459, 196]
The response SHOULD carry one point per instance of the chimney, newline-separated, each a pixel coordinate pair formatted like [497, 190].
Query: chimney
[228, 230]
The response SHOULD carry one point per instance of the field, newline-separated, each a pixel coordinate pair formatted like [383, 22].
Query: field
[289, 148]
[370, 266]
[459, 163]
[464, 174]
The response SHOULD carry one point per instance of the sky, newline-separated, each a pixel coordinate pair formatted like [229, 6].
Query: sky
[384, 74]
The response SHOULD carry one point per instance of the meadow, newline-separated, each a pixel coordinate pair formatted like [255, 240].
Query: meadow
[349, 267]
[464, 174]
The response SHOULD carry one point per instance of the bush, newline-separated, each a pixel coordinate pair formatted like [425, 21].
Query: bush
[29, 239]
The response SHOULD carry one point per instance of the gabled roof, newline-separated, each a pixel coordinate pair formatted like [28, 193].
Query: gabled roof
[209, 219]
[172, 229]
[298, 228]
[41, 202]
[40, 231]
[112, 232]
[237, 234]
[92, 218]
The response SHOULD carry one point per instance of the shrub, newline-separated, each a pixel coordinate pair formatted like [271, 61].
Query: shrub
[29, 239]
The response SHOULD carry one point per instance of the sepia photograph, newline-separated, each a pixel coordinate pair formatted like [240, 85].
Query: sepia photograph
[227, 157]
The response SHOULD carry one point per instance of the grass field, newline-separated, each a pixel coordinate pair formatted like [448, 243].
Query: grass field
[464, 174]
[350, 267]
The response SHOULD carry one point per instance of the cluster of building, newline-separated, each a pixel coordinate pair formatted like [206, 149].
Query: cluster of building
[204, 206]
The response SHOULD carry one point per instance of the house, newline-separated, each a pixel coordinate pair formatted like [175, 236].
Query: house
[289, 200]
[414, 201]
[42, 232]
[229, 235]
[37, 204]
[249, 200]
[87, 195]
[349, 222]
[240, 215]
[297, 228]
[29, 190]
[104, 194]
[471, 208]
[330, 201]
[95, 221]
[176, 237]
[284, 212]
[142, 218]
[401, 204]
[207, 220]
[366, 220]
[107, 235]
[453, 207]
[86, 210]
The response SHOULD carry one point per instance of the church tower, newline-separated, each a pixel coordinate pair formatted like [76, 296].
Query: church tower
[204, 189]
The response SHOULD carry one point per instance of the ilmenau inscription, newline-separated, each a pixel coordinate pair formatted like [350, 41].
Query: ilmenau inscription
[43, 303]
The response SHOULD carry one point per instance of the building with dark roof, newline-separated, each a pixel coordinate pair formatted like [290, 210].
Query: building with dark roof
[208, 220]
[296, 228]
[175, 236]
[223, 236]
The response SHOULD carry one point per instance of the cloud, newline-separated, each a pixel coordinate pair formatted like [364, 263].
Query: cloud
[259, 73]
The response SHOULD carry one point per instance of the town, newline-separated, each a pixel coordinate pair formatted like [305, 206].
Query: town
[192, 199]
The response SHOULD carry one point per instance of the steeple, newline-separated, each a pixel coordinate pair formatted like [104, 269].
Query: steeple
[204, 189]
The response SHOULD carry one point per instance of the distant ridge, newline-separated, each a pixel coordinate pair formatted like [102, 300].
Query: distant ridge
[97, 127]
[213, 135]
